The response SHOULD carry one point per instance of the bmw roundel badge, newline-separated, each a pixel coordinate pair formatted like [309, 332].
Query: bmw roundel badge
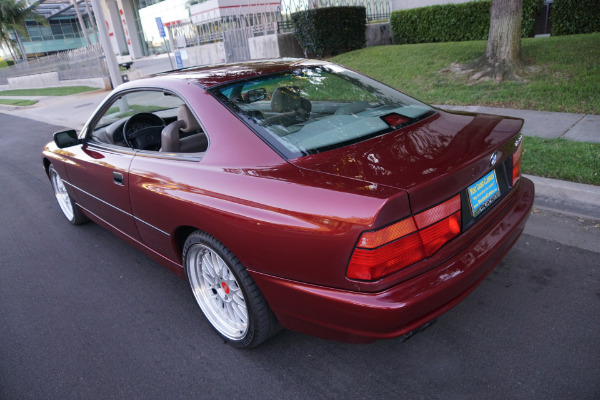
[493, 159]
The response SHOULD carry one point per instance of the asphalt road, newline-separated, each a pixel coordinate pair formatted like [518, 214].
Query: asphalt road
[85, 316]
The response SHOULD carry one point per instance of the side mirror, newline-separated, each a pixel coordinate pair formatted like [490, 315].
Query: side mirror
[66, 139]
[254, 95]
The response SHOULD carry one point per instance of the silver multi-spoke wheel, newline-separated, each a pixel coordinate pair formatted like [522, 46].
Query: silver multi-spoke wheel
[69, 209]
[217, 291]
[226, 293]
[62, 196]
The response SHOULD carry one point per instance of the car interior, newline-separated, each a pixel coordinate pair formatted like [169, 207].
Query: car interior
[161, 126]
[184, 135]
[314, 110]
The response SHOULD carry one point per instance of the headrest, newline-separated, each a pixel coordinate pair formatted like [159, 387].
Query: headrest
[191, 123]
[287, 98]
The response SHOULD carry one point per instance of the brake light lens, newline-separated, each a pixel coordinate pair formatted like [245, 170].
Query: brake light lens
[388, 250]
[373, 264]
[516, 159]
[394, 120]
[440, 233]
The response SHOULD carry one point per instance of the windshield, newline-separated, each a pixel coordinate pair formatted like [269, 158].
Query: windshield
[149, 101]
[310, 110]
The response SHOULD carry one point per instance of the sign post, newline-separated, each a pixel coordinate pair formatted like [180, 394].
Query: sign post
[161, 32]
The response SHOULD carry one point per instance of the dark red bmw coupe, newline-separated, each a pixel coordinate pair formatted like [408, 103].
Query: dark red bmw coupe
[299, 194]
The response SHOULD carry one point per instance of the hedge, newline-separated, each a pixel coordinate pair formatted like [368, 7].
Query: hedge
[6, 63]
[325, 32]
[453, 22]
[571, 17]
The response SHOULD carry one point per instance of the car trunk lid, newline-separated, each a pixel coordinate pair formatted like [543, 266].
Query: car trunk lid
[432, 160]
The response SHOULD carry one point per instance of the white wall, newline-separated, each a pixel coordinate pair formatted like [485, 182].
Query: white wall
[50, 79]
[213, 9]
[212, 53]
[274, 46]
[263, 47]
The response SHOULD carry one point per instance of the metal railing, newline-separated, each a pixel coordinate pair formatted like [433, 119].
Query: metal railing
[261, 18]
[81, 63]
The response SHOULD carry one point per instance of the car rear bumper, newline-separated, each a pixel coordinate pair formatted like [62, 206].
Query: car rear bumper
[363, 317]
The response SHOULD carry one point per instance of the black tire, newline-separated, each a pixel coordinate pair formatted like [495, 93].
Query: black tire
[68, 207]
[232, 293]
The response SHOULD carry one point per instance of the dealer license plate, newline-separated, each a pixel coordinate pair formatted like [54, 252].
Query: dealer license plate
[483, 193]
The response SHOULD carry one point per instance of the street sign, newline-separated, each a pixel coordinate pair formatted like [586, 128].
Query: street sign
[178, 60]
[161, 27]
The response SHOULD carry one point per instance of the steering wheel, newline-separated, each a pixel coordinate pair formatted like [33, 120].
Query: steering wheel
[142, 131]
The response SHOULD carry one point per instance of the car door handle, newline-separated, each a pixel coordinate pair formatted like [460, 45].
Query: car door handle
[118, 178]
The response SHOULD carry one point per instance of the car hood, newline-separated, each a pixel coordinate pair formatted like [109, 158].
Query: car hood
[431, 160]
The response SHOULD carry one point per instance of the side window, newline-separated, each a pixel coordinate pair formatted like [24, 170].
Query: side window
[150, 120]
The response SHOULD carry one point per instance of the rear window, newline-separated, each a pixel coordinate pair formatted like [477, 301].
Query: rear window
[310, 110]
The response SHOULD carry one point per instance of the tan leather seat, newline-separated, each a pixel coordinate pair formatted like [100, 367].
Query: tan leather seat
[291, 106]
[171, 142]
[169, 137]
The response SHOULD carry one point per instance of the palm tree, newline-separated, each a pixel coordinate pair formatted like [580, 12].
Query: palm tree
[6, 41]
[13, 14]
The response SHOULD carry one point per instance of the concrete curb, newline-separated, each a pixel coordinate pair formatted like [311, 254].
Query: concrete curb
[567, 197]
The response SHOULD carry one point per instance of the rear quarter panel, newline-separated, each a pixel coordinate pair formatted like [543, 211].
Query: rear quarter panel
[278, 220]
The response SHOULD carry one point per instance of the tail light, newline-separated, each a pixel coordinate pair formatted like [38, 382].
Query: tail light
[395, 120]
[385, 251]
[516, 159]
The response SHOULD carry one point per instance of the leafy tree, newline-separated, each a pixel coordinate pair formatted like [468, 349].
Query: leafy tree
[13, 14]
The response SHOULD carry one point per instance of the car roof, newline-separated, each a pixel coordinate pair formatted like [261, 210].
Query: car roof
[213, 75]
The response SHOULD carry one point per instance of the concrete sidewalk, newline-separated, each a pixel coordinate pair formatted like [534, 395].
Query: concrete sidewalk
[546, 124]
[69, 111]
[566, 197]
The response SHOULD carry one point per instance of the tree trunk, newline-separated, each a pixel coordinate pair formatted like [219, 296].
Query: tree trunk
[13, 52]
[502, 58]
[21, 47]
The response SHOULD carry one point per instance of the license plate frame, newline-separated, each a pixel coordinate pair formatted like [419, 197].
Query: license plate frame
[483, 193]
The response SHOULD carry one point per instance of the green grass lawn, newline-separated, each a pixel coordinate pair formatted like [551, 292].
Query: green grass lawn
[18, 102]
[564, 73]
[562, 159]
[52, 91]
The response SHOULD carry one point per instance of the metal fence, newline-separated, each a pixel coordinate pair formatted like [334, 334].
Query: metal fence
[376, 9]
[235, 25]
[253, 19]
[260, 19]
[81, 63]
